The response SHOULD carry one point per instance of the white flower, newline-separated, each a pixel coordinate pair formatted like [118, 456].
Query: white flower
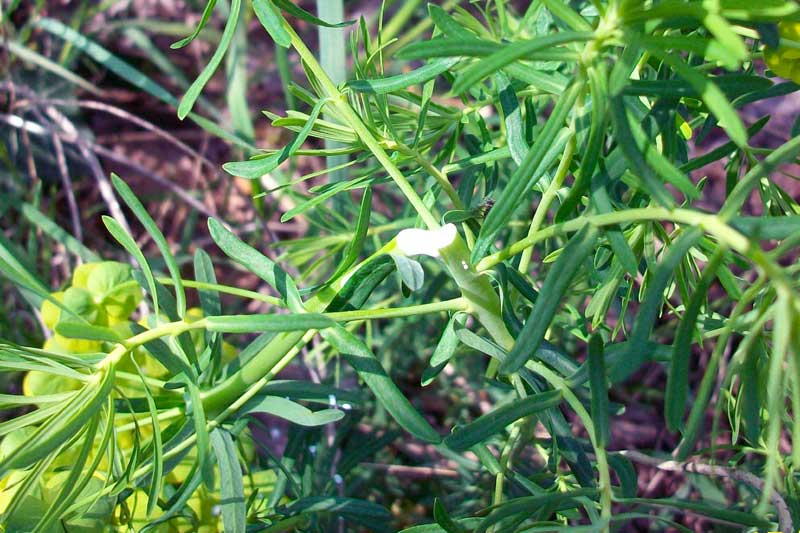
[425, 242]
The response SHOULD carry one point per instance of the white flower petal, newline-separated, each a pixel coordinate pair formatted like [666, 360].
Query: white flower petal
[425, 242]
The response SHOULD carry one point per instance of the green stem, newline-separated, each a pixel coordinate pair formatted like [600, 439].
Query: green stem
[586, 419]
[398, 21]
[342, 107]
[192, 284]
[481, 298]
[456, 304]
[439, 175]
[169, 329]
[712, 224]
[547, 199]
[476, 289]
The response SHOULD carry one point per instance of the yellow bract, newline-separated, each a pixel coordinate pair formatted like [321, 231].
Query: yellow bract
[784, 60]
[104, 294]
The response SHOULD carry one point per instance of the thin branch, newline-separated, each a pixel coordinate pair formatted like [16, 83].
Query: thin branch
[66, 181]
[781, 508]
[149, 126]
[88, 150]
[413, 472]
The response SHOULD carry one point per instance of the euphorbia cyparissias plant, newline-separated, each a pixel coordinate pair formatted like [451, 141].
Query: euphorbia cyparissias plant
[555, 202]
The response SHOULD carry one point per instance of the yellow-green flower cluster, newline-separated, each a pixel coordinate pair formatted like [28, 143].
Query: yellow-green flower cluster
[785, 60]
[105, 294]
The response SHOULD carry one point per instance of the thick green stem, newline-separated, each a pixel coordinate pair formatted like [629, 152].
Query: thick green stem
[483, 302]
[172, 328]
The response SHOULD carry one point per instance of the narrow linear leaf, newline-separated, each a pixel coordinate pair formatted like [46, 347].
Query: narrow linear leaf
[719, 513]
[105, 58]
[257, 263]
[360, 285]
[526, 503]
[272, 21]
[444, 351]
[401, 81]
[469, 523]
[732, 85]
[677, 390]
[386, 392]
[464, 437]
[234, 510]
[567, 14]
[626, 472]
[481, 344]
[733, 45]
[750, 395]
[255, 168]
[127, 242]
[188, 100]
[200, 25]
[151, 227]
[291, 411]
[440, 47]
[447, 24]
[312, 392]
[512, 116]
[549, 82]
[75, 330]
[511, 53]
[371, 515]
[637, 351]
[550, 297]
[442, 518]
[332, 190]
[204, 273]
[297, 11]
[36, 217]
[448, 342]
[157, 475]
[205, 465]
[355, 246]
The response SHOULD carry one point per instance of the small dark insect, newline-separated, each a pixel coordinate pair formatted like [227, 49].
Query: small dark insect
[485, 206]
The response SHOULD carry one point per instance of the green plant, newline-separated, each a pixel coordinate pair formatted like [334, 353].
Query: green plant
[620, 265]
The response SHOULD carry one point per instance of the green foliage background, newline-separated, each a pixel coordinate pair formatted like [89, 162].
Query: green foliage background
[511, 217]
